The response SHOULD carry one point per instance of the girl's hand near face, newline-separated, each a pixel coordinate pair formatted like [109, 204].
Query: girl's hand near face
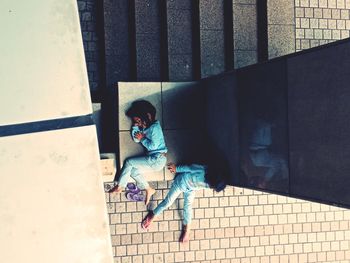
[139, 136]
[172, 168]
[143, 125]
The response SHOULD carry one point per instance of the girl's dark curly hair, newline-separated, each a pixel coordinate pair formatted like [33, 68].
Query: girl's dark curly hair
[139, 109]
[216, 175]
[218, 171]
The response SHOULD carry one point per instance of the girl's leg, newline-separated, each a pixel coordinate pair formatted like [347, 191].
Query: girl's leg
[188, 200]
[141, 181]
[139, 163]
[185, 233]
[139, 178]
[174, 192]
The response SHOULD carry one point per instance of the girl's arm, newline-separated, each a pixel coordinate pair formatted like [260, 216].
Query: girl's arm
[152, 140]
[193, 168]
[134, 130]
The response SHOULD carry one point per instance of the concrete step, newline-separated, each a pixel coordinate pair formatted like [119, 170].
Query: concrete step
[212, 37]
[147, 38]
[180, 40]
[118, 45]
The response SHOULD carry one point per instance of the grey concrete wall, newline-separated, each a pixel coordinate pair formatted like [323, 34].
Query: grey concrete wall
[245, 42]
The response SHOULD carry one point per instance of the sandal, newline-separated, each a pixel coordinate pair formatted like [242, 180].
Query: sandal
[131, 187]
[134, 197]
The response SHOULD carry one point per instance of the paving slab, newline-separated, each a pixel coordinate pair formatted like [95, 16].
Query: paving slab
[182, 105]
[131, 91]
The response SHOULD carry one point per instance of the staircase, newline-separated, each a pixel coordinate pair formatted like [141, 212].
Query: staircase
[149, 40]
[182, 40]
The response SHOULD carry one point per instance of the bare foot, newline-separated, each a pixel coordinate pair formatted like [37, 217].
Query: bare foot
[146, 222]
[185, 234]
[149, 192]
[116, 190]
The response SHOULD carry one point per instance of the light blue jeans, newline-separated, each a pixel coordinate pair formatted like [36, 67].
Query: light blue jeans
[179, 186]
[135, 167]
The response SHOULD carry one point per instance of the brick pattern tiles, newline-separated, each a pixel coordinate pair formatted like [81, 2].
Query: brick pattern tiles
[87, 13]
[319, 22]
[238, 225]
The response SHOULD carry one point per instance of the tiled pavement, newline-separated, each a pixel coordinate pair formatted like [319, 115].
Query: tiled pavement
[237, 225]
